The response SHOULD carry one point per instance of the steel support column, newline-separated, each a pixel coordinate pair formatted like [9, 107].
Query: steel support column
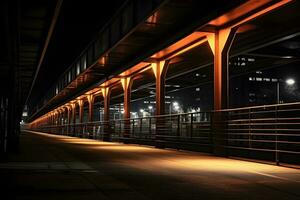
[160, 70]
[220, 43]
[80, 105]
[126, 84]
[91, 106]
[106, 96]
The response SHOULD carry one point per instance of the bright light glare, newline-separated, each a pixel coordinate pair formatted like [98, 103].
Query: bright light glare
[175, 104]
[290, 81]
[150, 107]
[141, 110]
[176, 107]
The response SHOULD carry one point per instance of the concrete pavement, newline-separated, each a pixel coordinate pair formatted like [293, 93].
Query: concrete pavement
[61, 167]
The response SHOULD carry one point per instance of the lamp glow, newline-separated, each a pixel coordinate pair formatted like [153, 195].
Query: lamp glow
[290, 81]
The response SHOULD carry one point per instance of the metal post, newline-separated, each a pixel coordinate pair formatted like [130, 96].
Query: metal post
[278, 94]
[191, 131]
[178, 126]
[276, 136]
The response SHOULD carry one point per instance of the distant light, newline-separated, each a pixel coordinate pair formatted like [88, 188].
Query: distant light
[176, 107]
[197, 74]
[290, 81]
[287, 56]
[122, 111]
[150, 107]
[175, 104]
[141, 110]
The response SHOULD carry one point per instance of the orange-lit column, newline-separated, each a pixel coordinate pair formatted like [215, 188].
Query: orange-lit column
[106, 96]
[160, 70]
[73, 105]
[126, 84]
[80, 105]
[69, 110]
[220, 43]
[91, 107]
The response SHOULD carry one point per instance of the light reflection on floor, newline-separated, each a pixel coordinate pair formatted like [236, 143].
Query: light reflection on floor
[170, 161]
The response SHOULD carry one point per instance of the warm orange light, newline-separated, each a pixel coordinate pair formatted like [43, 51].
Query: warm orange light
[188, 48]
[231, 19]
[245, 9]
[157, 68]
[105, 91]
[125, 82]
[181, 44]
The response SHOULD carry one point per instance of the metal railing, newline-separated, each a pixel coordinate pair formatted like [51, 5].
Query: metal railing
[269, 132]
[262, 132]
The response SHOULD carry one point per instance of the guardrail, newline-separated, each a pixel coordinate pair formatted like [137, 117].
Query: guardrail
[269, 132]
[263, 132]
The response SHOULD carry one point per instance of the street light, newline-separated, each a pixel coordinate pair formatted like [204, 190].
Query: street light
[288, 81]
[175, 105]
[150, 109]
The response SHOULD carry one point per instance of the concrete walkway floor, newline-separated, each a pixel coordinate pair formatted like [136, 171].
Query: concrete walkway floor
[60, 167]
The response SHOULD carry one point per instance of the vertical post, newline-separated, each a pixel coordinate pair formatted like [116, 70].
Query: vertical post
[160, 70]
[178, 126]
[73, 118]
[91, 107]
[80, 105]
[220, 43]
[278, 94]
[106, 95]
[126, 84]
[192, 122]
[69, 119]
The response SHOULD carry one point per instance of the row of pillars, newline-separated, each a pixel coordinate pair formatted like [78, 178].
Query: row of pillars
[220, 42]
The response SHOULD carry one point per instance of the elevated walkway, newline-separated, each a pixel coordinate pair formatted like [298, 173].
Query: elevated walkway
[61, 167]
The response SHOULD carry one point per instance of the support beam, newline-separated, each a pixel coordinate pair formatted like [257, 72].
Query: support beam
[80, 105]
[220, 43]
[91, 99]
[126, 84]
[106, 96]
[73, 105]
[160, 70]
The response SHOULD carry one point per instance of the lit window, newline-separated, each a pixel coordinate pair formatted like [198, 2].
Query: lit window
[258, 79]
[274, 80]
[258, 72]
[197, 74]
[251, 59]
[197, 89]
[243, 64]
[250, 79]
[266, 79]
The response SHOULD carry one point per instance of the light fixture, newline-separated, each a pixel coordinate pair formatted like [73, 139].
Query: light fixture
[290, 81]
